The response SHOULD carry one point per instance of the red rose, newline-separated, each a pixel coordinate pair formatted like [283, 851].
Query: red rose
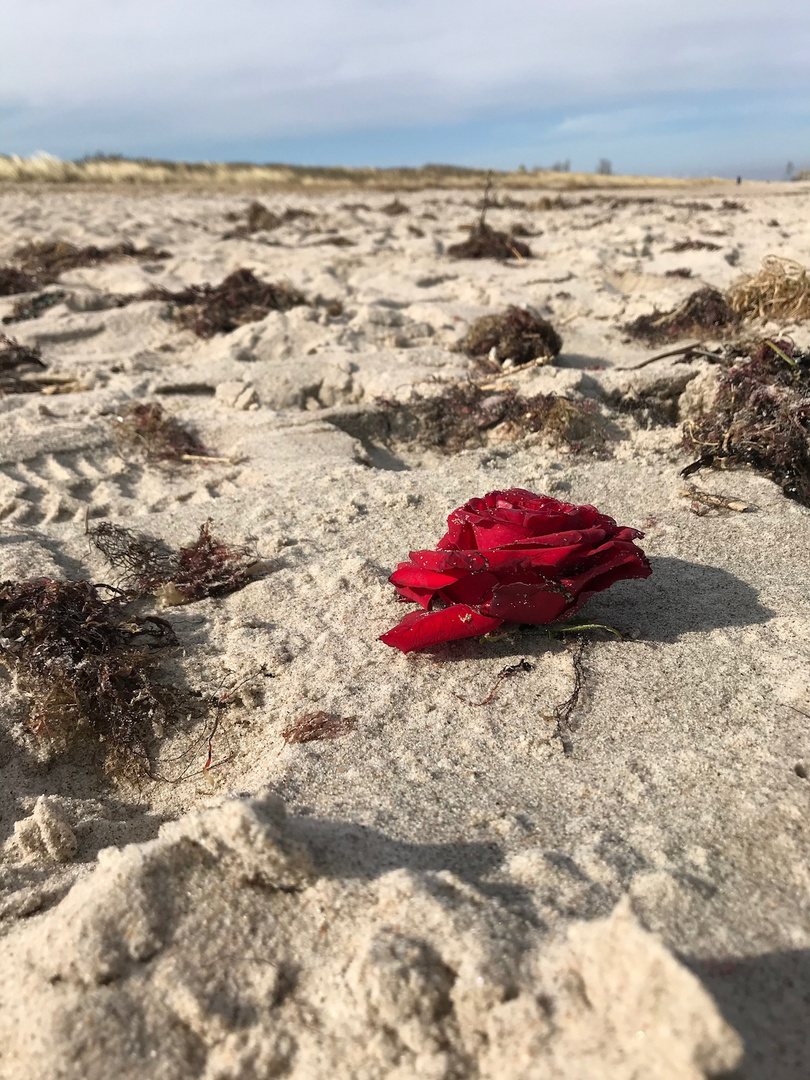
[511, 557]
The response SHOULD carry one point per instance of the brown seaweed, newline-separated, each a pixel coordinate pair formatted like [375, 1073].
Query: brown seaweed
[219, 309]
[466, 415]
[35, 306]
[85, 662]
[517, 335]
[257, 218]
[704, 314]
[484, 242]
[147, 565]
[145, 426]
[760, 418]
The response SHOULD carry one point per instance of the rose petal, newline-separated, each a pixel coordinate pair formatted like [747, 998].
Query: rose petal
[527, 602]
[420, 578]
[420, 629]
[471, 588]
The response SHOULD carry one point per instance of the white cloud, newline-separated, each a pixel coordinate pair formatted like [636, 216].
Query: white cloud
[266, 68]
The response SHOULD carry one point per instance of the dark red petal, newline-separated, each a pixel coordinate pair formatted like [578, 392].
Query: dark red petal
[449, 561]
[471, 588]
[419, 578]
[422, 597]
[420, 629]
[527, 602]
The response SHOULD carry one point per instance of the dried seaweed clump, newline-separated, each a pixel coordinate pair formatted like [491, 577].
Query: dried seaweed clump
[218, 309]
[46, 260]
[145, 425]
[40, 263]
[207, 567]
[704, 314]
[760, 418]
[780, 290]
[257, 218]
[484, 242]
[517, 335]
[86, 664]
[467, 416]
[693, 245]
[17, 361]
[393, 209]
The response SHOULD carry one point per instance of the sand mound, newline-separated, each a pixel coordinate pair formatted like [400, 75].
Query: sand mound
[237, 943]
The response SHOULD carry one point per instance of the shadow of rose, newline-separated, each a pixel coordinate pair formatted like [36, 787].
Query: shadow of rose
[680, 598]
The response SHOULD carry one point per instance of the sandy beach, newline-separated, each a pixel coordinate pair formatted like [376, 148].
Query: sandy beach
[467, 880]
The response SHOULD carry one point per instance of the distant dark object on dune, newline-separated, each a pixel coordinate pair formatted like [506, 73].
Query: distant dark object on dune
[393, 209]
[517, 335]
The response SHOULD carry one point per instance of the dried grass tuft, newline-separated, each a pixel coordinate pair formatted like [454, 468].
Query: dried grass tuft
[780, 291]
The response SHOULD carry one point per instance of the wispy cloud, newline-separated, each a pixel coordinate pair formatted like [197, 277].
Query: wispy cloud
[79, 74]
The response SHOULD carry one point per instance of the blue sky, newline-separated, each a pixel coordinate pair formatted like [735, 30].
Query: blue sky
[676, 88]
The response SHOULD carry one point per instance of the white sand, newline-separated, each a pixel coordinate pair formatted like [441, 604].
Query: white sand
[449, 894]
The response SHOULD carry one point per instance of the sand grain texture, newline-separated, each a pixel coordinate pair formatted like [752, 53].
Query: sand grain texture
[441, 891]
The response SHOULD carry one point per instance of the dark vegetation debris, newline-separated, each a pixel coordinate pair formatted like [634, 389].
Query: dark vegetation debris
[484, 242]
[218, 309]
[705, 313]
[207, 567]
[466, 416]
[336, 241]
[703, 502]
[35, 306]
[257, 218]
[17, 361]
[13, 281]
[145, 426]
[517, 335]
[564, 727]
[318, 725]
[693, 245]
[394, 208]
[760, 418]
[86, 663]
[520, 668]
[41, 262]
[679, 271]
